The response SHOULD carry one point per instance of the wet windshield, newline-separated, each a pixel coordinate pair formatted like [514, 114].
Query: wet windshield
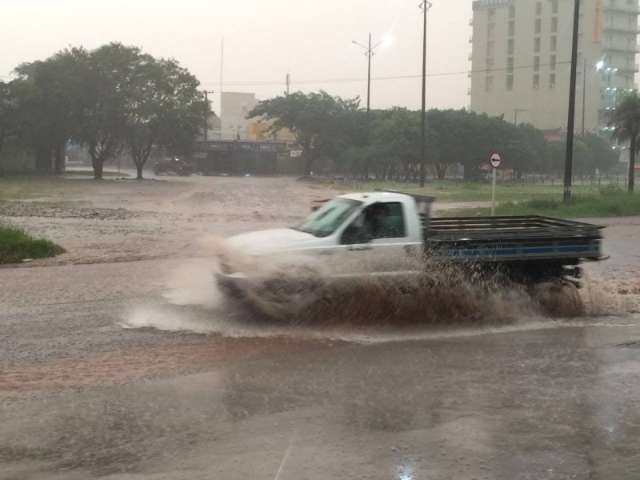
[328, 219]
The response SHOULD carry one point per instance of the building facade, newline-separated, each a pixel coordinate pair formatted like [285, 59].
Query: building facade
[522, 52]
[234, 110]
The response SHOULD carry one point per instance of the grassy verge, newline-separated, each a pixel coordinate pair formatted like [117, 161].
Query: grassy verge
[606, 204]
[16, 245]
[460, 191]
[29, 187]
[89, 173]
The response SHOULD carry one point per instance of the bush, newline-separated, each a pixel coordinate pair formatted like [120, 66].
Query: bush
[16, 245]
[611, 190]
[542, 204]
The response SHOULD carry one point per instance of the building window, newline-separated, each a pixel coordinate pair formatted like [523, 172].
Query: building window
[490, 48]
[492, 13]
[538, 8]
[510, 65]
[554, 43]
[538, 27]
[552, 81]
[536, 64]
[490, 63]
[491, 28]
[536, 81]
[554, 6]
[512, 28]
[512, 11]
[536, 44]
[511, 46]
[489, 84]
[509, 82]
[554, 25]
[552, 62]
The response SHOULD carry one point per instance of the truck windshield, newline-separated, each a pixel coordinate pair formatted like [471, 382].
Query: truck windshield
[327, 219]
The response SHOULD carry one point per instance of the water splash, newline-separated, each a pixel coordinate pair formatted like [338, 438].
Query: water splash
[362, 309]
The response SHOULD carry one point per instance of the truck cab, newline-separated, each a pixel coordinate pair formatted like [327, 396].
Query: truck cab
[381, 221]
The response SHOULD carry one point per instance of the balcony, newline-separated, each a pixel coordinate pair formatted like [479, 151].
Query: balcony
[620, 48]
[630, 29]
[629, 68]
[621, 9]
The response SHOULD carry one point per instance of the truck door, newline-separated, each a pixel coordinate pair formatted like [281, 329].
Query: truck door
[377, 240]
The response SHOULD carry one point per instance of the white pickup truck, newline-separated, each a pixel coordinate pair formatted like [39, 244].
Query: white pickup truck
[385, 234]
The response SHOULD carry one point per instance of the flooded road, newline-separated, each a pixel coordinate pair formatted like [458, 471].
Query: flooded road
[122, 369]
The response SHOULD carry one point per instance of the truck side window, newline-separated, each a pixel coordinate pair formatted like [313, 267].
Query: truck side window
[380, 220]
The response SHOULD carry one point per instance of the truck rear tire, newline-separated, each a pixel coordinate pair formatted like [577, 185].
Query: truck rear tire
[559, 299]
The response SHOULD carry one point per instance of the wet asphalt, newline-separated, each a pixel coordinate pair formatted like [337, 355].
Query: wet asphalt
[103, 376]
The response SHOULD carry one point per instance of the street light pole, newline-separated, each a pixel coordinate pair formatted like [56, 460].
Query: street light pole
[515, 114]
[568, 166]
[425, 5]
[369, 51]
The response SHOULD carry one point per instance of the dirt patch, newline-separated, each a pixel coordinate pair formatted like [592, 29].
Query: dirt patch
[115, 221]
[46, 210]
[168, 358]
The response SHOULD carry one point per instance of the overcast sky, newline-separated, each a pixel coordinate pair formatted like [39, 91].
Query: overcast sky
[264, 39]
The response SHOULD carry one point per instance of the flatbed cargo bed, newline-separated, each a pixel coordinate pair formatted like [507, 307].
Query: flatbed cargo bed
[519, 238]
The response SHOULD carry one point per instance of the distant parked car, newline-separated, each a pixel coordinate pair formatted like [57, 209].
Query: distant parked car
[173, 166]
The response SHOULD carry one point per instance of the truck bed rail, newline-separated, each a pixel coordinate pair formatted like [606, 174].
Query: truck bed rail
[507, 228]
[511, 238]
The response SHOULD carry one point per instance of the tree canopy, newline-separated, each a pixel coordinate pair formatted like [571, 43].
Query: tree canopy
[386, 143]
[109, 99]
[626, 122]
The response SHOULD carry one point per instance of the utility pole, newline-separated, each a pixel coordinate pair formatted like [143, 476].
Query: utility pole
[425, 5]
[221, 113]
[568, 166]
[206, 114]
[288, 84]
[369, 55]
[584, 95]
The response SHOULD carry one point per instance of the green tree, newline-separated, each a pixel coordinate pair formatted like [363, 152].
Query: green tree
[626, 123]
[111, 70]
[6, 101]
[49, 104]
[316, 119]
[164, 108]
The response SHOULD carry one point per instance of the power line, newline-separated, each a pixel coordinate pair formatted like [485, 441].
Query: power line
[249, 83]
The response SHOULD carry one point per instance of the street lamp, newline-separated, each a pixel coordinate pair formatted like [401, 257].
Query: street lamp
[369, 51]
[425, 5]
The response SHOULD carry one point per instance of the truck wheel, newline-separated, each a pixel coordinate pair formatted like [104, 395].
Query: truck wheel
[284, 299]
[559, 299]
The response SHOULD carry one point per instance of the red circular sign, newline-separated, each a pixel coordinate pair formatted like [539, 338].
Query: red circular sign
[495, 159]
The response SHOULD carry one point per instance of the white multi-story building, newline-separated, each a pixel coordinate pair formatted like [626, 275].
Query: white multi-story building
[234, 110]
[521, 59]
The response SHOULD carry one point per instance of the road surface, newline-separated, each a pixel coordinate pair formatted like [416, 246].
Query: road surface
[123, 367]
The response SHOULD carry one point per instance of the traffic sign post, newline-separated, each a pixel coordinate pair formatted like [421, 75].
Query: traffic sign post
[495, 159]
